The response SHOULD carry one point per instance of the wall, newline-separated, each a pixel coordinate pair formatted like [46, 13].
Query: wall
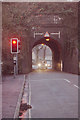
[16, 20]
[0, 37]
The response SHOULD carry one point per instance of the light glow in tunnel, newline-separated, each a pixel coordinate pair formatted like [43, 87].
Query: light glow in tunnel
[41, 57]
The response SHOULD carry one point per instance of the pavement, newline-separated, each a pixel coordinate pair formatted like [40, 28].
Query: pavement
[11, 95]
[53, 95]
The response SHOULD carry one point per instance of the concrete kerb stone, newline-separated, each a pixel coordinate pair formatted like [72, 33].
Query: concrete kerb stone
[16, 114]
[26, 99]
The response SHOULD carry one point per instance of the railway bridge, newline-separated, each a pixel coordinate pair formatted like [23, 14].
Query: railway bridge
[29, 22]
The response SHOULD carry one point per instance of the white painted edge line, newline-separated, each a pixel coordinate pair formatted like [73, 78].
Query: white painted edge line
[67, 80]
[29, 98]
[76, 86]
[16, 114]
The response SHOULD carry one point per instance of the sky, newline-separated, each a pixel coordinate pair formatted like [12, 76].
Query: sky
[48, 53]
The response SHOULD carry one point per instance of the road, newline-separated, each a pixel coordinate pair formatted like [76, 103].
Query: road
[53, 95]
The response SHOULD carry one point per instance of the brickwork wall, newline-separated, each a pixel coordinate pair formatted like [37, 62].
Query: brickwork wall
[22, 19]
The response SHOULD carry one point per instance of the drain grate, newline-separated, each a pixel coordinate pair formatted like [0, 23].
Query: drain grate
[23, 108]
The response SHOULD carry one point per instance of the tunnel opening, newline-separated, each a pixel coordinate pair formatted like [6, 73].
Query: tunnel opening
[54, 47]
[41, 57]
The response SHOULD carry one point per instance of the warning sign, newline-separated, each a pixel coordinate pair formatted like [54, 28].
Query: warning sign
[46, 34]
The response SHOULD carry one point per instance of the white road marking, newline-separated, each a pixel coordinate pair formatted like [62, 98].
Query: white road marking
[44, 79]
[67, 80]
[76, 86]
[29, 98]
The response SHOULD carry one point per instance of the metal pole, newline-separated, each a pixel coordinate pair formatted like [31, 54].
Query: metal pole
[14, 60]
[14, 70]
[17, 64]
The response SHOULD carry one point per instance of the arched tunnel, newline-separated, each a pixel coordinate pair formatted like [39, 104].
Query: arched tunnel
[59, 61]
[55, 47]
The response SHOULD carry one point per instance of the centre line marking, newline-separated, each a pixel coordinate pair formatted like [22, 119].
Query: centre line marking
[67, 80]
[45, 79]
[76, 86]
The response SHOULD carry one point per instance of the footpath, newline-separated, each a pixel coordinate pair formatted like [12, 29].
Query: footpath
[12, 90]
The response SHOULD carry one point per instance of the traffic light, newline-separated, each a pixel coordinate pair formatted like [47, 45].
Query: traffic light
[47, 38]
[19, 46]
[14, 45]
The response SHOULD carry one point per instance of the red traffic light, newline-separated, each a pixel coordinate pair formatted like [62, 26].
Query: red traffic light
[14, 45]
[14, 41]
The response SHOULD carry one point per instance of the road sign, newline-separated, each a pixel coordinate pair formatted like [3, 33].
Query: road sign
[46, 34]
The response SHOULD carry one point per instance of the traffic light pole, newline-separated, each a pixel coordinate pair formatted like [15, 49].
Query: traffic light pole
[15, 58]
[17, 64]
[14, 71]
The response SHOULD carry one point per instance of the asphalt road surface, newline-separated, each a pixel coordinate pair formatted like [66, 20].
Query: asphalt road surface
[53, 95]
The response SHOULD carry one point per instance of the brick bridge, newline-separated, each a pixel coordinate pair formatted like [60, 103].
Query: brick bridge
[29, 22]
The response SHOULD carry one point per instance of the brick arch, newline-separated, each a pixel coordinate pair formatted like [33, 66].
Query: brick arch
[53, 44]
